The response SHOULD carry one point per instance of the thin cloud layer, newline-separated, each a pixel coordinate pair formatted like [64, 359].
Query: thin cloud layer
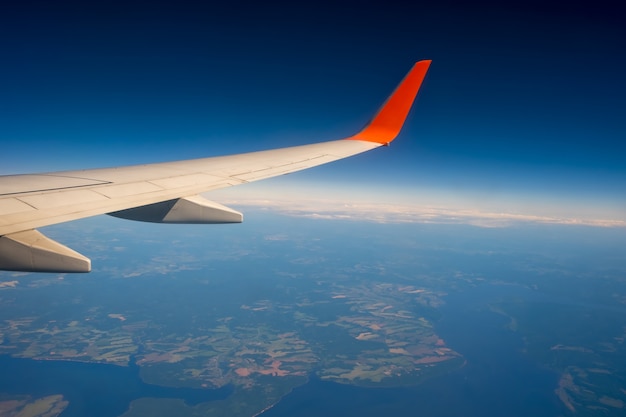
[407, 213]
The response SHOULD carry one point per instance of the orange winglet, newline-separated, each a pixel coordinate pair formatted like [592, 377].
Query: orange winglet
[388, 122]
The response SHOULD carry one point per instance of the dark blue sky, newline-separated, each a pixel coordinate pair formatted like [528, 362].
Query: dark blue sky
[521, 100]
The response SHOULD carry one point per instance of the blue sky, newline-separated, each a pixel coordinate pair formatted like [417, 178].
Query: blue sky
[523, 107]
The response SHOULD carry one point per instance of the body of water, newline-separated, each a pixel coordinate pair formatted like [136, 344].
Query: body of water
[497, 379]
[92, 389]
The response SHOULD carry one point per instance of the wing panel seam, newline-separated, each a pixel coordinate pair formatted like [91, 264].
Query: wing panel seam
[43, 190]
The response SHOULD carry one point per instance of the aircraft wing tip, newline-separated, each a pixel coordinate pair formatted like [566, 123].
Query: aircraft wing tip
[388, 121]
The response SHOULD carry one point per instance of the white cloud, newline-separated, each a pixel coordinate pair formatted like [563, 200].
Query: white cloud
[409, 213]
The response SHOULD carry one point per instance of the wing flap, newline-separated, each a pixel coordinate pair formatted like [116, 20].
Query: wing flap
[34, 183]
[63, 198]
[190, 180]
[125, 190]
[11, 206]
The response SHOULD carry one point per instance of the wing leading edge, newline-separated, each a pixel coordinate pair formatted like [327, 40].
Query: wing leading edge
[164, 192]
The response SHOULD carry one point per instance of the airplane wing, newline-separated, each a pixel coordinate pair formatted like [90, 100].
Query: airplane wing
[164, 192]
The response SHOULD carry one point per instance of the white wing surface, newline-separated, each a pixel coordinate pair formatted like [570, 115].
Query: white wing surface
[164, 192]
